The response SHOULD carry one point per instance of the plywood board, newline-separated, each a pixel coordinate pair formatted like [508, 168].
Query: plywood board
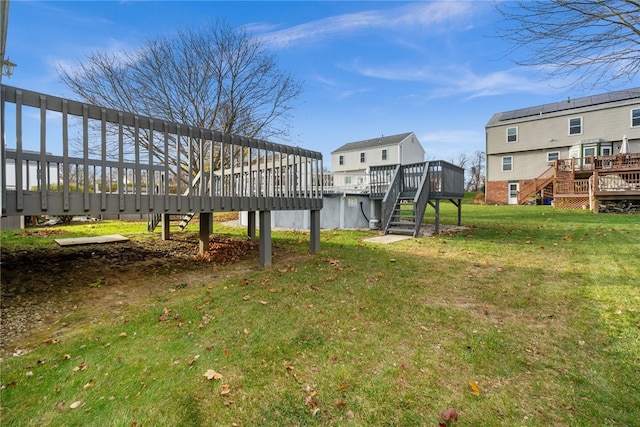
[109, 238]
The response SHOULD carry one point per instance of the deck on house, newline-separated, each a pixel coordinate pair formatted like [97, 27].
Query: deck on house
[589, 181]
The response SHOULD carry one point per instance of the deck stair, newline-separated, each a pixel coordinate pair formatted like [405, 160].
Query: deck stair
[403, 217]
[185, 220]
[536, 185]
[155, 219]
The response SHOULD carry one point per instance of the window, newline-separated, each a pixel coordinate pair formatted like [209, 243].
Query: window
[553, 155]
[512, 134]
[635, 117]
[589, 151]
[362, 158]
[575, 126]
[507, 163]
[384, 154]
[347, 180]
[341, 160]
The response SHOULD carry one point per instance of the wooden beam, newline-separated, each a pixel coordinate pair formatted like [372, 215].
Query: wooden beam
[314, 231]
[205, 231]
[265, 239]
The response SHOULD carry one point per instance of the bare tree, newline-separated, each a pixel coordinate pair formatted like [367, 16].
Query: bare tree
[214, 78]
[588, 42]
[476, 172]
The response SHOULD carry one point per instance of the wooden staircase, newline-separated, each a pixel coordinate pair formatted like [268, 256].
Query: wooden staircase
[537, 184]
[403, 218]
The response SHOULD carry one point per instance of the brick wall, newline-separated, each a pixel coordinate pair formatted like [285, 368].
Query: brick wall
[497, 192]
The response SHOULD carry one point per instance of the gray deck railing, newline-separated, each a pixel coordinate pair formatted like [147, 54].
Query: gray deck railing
[128, 163]
[446, 180]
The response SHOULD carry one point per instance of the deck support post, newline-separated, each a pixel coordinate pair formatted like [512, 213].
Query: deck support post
[314, 231]
[205, 231]
[251, 225]
[265, 239]
[437, 209]
[166, 221]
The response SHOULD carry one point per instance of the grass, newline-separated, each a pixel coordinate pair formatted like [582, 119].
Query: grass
[539, 307]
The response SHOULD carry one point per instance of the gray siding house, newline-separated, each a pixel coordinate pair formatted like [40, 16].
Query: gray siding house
[522, 145]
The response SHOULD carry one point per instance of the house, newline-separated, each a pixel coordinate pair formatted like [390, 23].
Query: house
[527, 150]
[351, 162]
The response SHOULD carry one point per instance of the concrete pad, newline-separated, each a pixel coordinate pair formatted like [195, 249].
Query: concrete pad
[109, 238]
[387, 238]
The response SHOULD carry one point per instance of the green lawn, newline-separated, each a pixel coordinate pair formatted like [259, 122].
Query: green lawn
[539, 308]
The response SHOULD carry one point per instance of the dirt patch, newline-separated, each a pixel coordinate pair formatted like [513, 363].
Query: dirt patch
[45, 293]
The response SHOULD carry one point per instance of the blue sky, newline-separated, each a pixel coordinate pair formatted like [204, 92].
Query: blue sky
[368, 68]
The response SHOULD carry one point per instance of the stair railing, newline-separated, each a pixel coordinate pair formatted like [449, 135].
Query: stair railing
[422, 199]
[536, 184]
[391, 197]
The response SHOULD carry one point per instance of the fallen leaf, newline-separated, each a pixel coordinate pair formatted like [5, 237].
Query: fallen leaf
[224, 389]
[245, 331]
[350, 415]
[87, 385]
[60, 405]
[213, 375]
[473, 385]
[75, 404]
[123, 334]
[449, 415]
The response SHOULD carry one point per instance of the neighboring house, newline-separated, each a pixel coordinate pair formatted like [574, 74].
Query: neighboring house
[350, 163]
[523, 145]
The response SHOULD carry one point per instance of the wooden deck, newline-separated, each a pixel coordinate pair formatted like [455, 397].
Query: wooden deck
[589, 181]
[132, 164]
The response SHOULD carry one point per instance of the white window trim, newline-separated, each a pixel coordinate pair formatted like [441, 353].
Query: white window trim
[631, 118]
[569, 126]
[341, 160]
[385, 154]
[502, 164]
[363, 157]
[552, 152]
[507, 134]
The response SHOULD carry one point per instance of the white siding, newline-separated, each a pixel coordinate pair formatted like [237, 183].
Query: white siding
[538, 135]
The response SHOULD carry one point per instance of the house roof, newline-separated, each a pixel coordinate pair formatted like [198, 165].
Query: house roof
[569, 104]
[374, 142]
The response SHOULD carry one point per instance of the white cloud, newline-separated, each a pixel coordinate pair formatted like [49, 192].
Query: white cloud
[459, 80]
[423, 15]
